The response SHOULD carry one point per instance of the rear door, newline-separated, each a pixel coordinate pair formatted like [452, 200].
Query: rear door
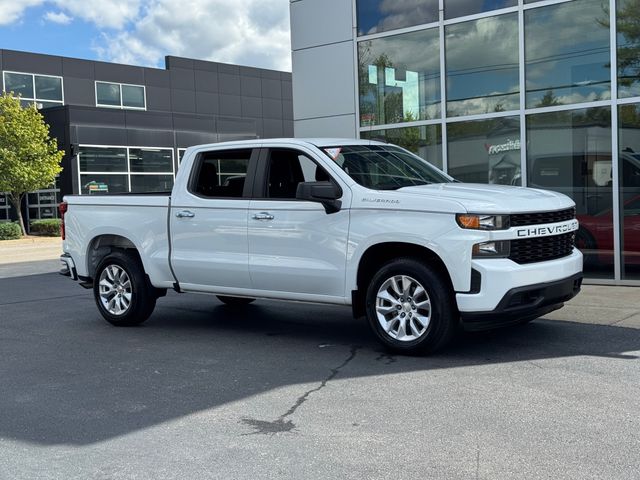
[209, 222]
[295, 245]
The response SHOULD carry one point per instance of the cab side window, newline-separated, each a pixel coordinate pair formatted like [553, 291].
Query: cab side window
[222, 174]
[287, 168]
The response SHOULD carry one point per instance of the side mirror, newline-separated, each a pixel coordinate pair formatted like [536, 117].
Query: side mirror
[325, 193]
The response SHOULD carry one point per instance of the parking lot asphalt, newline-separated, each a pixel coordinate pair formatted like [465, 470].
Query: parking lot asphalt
[277, 390]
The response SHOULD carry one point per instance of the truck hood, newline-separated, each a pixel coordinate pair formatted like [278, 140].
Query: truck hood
[474, 198]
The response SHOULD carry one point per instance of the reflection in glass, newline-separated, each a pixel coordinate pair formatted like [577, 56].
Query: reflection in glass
[151, 183]
[382, 15]
[97, 159]
[108, 94]
[567, 53]
[570, 152]
[48, 88]
[482, 66]
[399, 79]
[132, 96]
[460, 8]
[96, 184]
[485, 151]
[425, 141]
[145, 160]
[629, 168]
[628, 20]
[19, 83]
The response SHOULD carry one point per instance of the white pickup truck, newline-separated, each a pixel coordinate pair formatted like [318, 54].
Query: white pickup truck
[347, 222]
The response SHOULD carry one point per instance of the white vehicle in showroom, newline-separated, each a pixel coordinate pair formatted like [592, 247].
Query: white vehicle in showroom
[347, 222]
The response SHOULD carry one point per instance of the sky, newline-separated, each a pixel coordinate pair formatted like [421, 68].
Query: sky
[142, 32]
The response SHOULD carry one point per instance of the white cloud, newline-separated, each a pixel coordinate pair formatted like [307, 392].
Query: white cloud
[11, 10]
[58, 17]
[115, 14]
[246, 32]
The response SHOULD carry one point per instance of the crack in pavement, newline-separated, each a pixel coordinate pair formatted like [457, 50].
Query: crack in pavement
[281, 425]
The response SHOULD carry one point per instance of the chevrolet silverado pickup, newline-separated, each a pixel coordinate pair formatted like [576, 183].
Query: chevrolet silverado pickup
[349, 222]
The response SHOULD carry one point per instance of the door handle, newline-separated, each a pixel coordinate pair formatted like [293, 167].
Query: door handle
[185, 214]
[263, 216]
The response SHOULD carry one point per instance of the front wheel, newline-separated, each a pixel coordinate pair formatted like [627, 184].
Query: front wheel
[410, 307]
[122, 291]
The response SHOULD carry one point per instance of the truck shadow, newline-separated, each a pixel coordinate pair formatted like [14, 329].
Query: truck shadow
[70, 378]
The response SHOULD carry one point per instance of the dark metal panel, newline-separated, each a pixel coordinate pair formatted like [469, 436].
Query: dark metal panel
[288, 128]
[182, 79]
[96, 116]
[251, 107]
[287, 109]
[149, 138]
[286, 76]
[230, 105]
[178, 62]
[206, 81]
[271, 88]
[94, 135]
[79, 91]
[75, 67]
[207, 103]
[249, 72]
[273, 128]
[183, 101]
[114, 72]
[198, 123]
[250, 86]
[157, 78]
[206, 66]
[31, 63]
[229, 84]
[149, 120]
[230, 69]
[188, 139]
[272, 74]
[271, 108]
[287, 90]
[158, 99]
[236, 125]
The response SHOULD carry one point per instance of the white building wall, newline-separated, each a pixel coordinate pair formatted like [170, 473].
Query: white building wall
[324, 82]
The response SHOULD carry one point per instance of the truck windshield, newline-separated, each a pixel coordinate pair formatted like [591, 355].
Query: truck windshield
[384, 167]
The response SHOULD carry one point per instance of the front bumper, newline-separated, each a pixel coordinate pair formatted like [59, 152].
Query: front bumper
[521, 304]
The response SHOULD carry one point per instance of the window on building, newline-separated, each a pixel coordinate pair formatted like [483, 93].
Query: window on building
[125, 169]
[43, 204]
[460, 8]
[425, 141]
[567, 57]
[381, 15]
[4, 207]
[398, 82]
[119, 95]
[628, 20]
[570, 152]
[42, 90]
[629, 175]
[221, 174]
[482, 66]
[485, 151]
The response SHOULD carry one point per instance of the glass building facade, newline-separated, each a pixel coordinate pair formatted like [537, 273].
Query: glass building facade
[543, 94]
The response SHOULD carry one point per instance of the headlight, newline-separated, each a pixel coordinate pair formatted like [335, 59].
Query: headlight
[495, 249]
[482, 222]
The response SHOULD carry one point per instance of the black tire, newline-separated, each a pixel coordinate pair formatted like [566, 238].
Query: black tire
[142, 294]
[235, 301]
[443, 315]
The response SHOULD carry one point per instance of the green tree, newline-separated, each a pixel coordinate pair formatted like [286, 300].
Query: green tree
[29, 158]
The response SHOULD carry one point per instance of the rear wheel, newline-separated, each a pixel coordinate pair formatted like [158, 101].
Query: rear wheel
[235, 301]
[410, 307]
[122, 291]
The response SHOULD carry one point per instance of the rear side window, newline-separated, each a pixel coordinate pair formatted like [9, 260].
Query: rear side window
[221, 174]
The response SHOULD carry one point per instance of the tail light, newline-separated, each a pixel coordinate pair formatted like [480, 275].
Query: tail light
[62, 208]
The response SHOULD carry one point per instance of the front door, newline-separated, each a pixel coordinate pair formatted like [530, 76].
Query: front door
[294, 245]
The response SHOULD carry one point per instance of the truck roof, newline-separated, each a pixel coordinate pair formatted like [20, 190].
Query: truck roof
[318, 142]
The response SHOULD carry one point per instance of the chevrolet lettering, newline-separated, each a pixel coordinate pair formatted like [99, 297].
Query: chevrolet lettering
[357, 223]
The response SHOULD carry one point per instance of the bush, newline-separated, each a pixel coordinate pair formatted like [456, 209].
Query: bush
[47, 228]
[9, 231]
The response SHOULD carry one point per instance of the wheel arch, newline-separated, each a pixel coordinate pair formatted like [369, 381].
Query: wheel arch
[102, 245]
[381, 253]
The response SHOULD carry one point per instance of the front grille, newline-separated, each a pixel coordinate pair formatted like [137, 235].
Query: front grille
[540, 218]
[541, 249]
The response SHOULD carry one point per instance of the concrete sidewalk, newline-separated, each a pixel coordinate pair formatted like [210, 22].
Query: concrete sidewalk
[29, 256]
[596, 304]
